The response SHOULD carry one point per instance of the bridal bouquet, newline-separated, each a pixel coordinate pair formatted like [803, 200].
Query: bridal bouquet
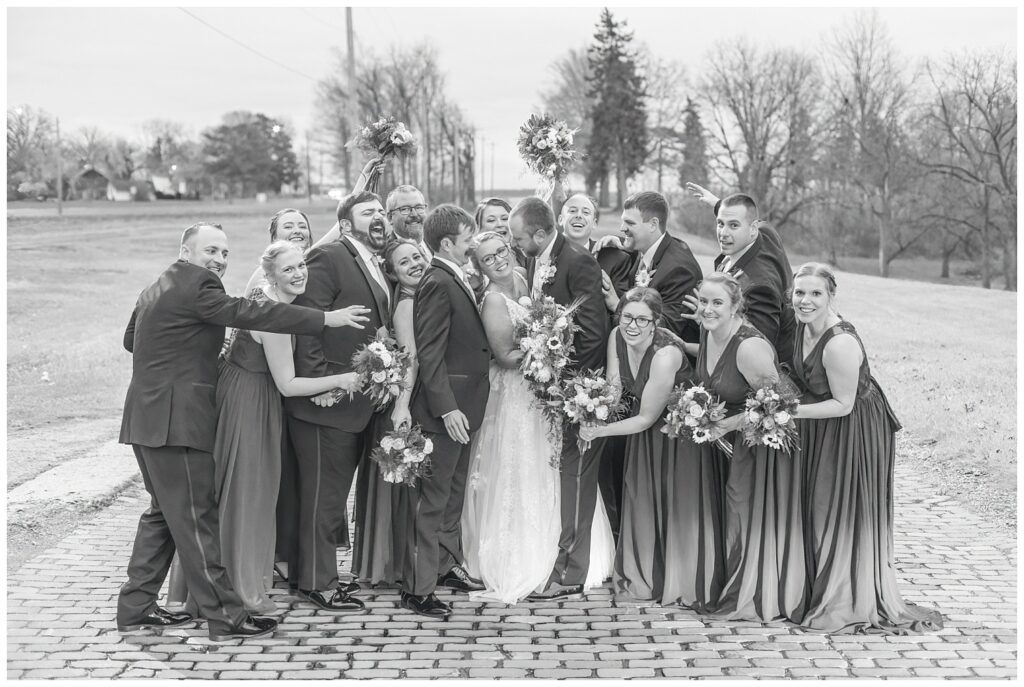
[692, 414]
[546, 146]
[403, 456]
[382, 138]
[768, 419]
[381, 366]
[589, 400]
[545, 338]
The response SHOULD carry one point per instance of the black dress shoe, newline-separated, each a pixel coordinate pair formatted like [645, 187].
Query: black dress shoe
[458, 579]
[252, 626]
[558, 591]
[350, 587]
[158, 619]
[337, 602]
[429, 605]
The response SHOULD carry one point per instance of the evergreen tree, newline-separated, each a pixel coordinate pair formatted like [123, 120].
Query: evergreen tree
[619, 117]
[694, 166]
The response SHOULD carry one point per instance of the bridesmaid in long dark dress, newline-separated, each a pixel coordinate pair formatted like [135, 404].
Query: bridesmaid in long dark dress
[379, 544]
[669, 540]
[847, 432]
[766, 576]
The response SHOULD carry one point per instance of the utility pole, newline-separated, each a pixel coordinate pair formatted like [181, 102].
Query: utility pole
[309, 178]
[492, 167]
[483, 172]
[60, 175]
[350, 68]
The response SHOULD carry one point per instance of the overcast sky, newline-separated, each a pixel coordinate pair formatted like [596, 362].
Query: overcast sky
[117, 67]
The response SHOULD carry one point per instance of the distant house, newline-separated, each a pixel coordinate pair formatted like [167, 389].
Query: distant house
[90, 184]
[130, 189]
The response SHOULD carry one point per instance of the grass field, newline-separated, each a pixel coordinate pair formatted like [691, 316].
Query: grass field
[945, 355]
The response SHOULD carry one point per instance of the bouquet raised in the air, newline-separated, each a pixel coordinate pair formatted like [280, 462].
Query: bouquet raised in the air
[545, 338]
[589, 399]
[381, 365]
[768, 419]
[385, 137]
[546, 145]
[403, 456]
[692, 414]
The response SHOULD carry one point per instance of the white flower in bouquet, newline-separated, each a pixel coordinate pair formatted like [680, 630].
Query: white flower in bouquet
[768, 423]
[753, 416]
[376, 347]
[398, 444]
[782, 417]
[387, 443]
[379, 376]
[561, 323]
[544, 375]
[385, 358]
[696, 410]
[554, 343]
[701, 435]
[525, 301]
[428, 447]
[691, 421]
[601, 412]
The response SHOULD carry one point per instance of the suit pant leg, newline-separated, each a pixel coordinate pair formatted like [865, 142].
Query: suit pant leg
[287, 546]
[450, 534]
[326, 458]
[578, 492]
[610, 474]
[181, 481]
[428, 505]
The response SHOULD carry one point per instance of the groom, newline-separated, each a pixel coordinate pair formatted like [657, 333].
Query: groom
[448, 401]
[567, 272]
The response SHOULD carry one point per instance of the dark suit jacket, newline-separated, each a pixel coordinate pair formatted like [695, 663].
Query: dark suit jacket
[174, 336]
[675, 274]
[618, 265]
[451, 344]
[766, 278]
[338, 278]
[578, 276]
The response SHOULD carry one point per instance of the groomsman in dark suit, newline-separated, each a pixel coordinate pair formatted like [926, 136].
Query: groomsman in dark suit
[326, 433]
[174, 336]
[566, 272]
[448, 401]
[664, 263]
[752, 251]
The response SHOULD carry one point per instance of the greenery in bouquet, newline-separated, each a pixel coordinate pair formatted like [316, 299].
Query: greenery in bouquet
[546, 145]
[381, 365]
[589, 399]
[386, 136]
[693, 413]
[768, 419]
[403, 456]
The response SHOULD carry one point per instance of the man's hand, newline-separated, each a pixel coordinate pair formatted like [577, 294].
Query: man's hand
[458, 426]
[607, 240]
[324, 400]
[690, 301]
[352, 316]
[702, 194]
[611, 300]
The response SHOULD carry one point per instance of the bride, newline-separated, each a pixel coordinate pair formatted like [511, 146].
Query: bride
[511, 520]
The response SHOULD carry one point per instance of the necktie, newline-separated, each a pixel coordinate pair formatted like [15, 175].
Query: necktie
[725, 264]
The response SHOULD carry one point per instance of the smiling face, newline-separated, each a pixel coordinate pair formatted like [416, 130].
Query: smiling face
[578, 218]
[525, 239]
[640, 235]
[368, 225]
[289, 273]
[408, 264]
[457, 249]
[495, 259]
[207, 248]
[716, 306]
[408, 226]
[636, 322]
[495, 218]
[811, 299]
[736, 229]
[292, 226]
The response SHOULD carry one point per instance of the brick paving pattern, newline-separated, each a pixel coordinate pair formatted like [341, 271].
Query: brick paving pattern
[61, 607]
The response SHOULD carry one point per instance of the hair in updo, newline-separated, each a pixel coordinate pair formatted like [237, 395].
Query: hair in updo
[479, 239]
[277, 218]
[821, 270]
[731, 286]
[389, 251]
[487, 203]
[642, 294]
[273, 252]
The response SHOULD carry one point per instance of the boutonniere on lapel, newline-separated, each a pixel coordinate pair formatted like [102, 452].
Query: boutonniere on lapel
[546, 274]
[643, 277]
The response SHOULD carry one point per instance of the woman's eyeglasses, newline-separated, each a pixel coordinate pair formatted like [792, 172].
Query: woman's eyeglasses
[499, 254]
[640, 322]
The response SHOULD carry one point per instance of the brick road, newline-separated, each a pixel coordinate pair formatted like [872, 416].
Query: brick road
[60, 622]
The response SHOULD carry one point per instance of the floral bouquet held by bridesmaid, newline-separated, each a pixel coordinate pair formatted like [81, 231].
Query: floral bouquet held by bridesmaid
[692, 414]
[545, 144]
[545, 338]
[382, 138]
[590, 401]
[381, 365]
[768, 419]
[403, 456]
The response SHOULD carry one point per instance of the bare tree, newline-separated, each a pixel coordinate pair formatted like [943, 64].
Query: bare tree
[567, 99]
[30, 141]
[667, 86]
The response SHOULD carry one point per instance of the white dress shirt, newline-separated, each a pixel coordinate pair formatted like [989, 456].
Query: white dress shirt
[458, 273]
[543, 260]
[370, 260]
[648, 258]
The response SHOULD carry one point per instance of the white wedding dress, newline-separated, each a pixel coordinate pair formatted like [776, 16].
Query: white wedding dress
[510, 518]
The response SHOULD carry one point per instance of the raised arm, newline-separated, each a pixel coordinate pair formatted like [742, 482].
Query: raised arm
[500, 331]
[278, 349]
[334, 233]
[842, 358]
[216, 307]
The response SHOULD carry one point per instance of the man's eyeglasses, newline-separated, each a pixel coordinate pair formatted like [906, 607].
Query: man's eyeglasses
[640, 322]
[405, 210]
[499, 254]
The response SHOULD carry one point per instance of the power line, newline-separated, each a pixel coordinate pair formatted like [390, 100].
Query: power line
[252, 50]
[323, 21]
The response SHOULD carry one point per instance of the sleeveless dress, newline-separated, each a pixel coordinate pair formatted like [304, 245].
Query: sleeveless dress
[765, 570]
[378, 530]
[511, 520]
[848, 512]
[670, 538]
